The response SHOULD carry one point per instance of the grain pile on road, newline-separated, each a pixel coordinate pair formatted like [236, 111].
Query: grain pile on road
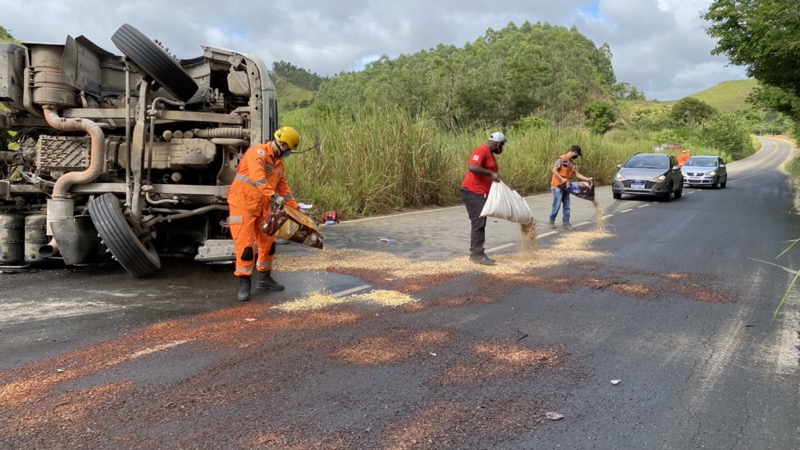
[392, 273]
[574, 246]
[319, 300]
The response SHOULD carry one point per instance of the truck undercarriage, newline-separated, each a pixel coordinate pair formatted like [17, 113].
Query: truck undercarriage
[129, 155]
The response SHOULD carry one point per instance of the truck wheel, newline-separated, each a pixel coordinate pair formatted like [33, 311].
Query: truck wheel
[138, 259]
[155, 62]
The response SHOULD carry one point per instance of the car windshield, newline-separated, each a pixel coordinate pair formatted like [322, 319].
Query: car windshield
[702, 162]
[648, 162]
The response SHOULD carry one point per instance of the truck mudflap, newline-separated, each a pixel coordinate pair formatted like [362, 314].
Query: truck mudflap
[76, 239]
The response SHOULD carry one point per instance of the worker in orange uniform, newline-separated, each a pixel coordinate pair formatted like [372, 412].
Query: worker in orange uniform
[259, 186]
[683, 157]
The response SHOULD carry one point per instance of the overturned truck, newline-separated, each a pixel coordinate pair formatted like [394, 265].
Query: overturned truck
[124, 156]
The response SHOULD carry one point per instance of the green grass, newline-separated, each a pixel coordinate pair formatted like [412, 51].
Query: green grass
[388, 162]
[290, 96]
[378, 164]
[728, 96]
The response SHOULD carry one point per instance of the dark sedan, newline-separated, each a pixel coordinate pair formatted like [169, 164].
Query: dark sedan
[651, 174]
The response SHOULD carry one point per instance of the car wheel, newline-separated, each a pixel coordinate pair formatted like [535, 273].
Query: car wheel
[668, 197]
[155, 62]
[138, 259]
[716, 183]
[616, 195]
[724, 183]
[679, 192]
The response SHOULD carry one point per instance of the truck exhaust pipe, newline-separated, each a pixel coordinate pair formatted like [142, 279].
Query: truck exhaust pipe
[97, 152]
[49, 249]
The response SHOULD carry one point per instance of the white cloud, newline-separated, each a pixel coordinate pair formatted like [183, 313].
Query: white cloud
[659, 46]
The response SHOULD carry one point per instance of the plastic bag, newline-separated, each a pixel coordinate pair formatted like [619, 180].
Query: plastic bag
[582, 189]
[292, 225]
[504, 203]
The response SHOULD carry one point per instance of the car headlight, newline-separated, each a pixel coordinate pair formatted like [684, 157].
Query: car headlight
[660, 178]
[619, 177]
[711, 174]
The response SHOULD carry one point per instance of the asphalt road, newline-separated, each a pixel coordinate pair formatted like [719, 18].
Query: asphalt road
[649, 326]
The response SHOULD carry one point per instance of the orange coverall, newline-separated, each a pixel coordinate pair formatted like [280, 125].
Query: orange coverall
[259, 176]
[682, 158]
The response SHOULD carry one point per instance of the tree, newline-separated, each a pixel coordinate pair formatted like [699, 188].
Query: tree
[624, 91]
[761, 35]
[537, 70]
[691, 112]
[297, 76]
[5, 35]
[600, 116]
[728, 132]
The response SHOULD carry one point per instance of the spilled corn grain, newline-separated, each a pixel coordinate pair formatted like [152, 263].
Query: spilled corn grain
[319, 300]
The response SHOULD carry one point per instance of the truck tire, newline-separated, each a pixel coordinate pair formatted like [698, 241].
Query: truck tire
[155, 62]
[139, 260]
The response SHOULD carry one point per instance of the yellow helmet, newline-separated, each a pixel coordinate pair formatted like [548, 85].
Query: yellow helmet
[289, 136]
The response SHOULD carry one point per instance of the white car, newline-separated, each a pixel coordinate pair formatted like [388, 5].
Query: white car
[705, 171]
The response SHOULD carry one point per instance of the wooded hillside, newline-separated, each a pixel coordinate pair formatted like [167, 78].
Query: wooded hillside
[540, 70]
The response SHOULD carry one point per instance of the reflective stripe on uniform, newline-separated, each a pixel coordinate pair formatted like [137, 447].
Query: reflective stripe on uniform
[289, 197]
[266, 265]
[256, 183]
[235, 219]
[247, 270]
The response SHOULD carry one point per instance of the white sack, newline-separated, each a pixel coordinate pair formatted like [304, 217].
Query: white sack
[504, 203]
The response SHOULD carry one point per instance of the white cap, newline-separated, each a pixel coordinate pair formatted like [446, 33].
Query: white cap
[498, 137]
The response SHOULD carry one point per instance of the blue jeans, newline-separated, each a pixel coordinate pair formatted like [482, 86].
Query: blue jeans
[559, 197]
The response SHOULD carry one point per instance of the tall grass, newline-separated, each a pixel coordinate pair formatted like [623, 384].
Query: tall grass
[381, 163]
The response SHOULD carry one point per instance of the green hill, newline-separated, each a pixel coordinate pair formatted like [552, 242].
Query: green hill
[291, 96]
[728, 95]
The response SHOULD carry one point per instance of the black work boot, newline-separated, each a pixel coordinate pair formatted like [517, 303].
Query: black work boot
[244, 289]
[265, 281]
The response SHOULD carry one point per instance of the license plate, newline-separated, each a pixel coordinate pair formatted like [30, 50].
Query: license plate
[637, 186]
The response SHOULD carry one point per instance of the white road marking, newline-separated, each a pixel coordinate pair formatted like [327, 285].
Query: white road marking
[789, 353]
[350, 291]
[643, 206]
[626, 210]
[115, 294]
[788, 358]
[546, 234]
[500, 247]
[158, 348]
[50, 308]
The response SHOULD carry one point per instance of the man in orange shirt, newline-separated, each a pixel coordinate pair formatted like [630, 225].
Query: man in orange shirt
[563, 172]
[259, 184]
[481, 172]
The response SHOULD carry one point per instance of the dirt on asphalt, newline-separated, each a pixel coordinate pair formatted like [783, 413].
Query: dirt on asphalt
[382, 370]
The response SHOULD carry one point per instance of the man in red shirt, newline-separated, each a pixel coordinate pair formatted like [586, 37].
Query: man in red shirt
[481, 172]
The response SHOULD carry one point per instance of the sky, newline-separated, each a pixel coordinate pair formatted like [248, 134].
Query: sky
[660, 47]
